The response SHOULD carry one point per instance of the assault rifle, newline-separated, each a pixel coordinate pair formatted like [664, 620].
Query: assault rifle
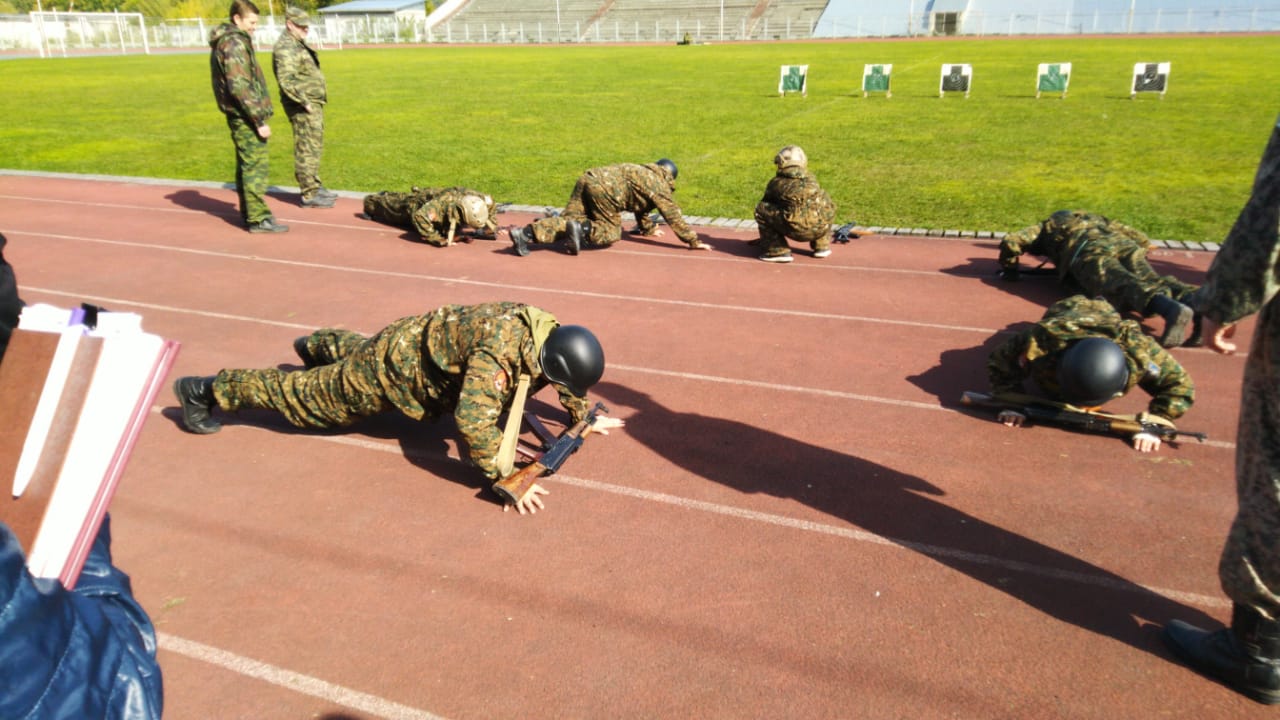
[516, 486]
[1066, 416]
[843, 233]
[1015, 271]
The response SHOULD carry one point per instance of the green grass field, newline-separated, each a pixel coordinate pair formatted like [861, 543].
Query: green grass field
[521, 122]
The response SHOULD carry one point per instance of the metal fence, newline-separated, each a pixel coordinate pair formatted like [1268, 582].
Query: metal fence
[1219, 20]
[53, 34]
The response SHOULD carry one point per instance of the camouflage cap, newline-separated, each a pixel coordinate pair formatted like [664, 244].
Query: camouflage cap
[298, 17]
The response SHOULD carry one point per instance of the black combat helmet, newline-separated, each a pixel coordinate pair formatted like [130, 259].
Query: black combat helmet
[572, 357]
[670, 166]
[1092, 371]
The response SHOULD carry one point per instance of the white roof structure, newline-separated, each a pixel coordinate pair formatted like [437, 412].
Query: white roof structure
[376, 7]
[871, 18]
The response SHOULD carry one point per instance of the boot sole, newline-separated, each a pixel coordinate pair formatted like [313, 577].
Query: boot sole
[1188, 658]
[1177, 332]
[186, 420]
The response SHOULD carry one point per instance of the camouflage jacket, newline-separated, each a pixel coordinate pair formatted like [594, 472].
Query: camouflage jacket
[238, 83]
[802, 200]
[432, 212]
[1061, 237]
[1245, 274]
[478, 352]
[297, 69]
[1151, 367]
[438, 219]
[641, 189]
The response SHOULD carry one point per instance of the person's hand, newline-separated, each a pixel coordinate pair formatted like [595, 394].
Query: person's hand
[264, 131]
[1219, 335]
[604, 424]
[1146, 442]
[530, 503]
[1011, 418]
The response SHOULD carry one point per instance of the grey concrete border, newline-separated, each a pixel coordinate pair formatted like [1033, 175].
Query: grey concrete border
[729, 223]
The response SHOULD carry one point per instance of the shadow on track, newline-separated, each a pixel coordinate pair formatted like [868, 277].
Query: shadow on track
[909, 512]
[195, 200]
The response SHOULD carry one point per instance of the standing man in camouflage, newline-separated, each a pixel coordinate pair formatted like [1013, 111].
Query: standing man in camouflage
[437, 214]
[1243, 280]
[1105, 258]
[1083, 353]
[794, 206]
[241, 92]
[601, 195]
[473, 361]
[303, 96]
[10, 304]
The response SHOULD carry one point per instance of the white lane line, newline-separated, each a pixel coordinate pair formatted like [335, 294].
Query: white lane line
[120, 302]
[780, 388]
[868, 537]
[618, 250]
[506, 286]
[854, 534]
[297, 682]
[823, 392]
[738, 382]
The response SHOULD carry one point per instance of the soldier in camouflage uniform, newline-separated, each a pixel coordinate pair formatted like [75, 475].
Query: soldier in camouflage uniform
[303, 97]
[1244, 279]
[794, 206]
[241, 92]
[1107, 259]
[601, 195]
[10, 304]
[464, 360]
[437, 214]
[1041, 351]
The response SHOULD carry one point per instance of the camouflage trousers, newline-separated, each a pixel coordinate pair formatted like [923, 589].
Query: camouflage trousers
[251, 170]
[1119, 271]
[775, 228]
[308, 146]
[586, 202]
[359, 377]
[1250, 566]
[404, 210]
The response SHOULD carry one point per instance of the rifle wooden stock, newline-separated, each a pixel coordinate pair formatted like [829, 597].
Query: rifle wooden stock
[516, 486]
[1051, 413]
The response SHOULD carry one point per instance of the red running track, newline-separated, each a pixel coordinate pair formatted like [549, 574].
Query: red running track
[796, 522]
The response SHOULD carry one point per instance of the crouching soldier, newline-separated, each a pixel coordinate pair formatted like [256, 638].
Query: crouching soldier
[1106, 258]
[1084, 354]
[793, 206]
[594, 212]
[436, 214]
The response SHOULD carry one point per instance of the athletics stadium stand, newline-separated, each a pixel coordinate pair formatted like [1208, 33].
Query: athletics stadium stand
[627, 20]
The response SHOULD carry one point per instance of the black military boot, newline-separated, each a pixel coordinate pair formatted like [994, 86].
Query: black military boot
[1245, 656]
[520, 237]
[1177, 319]
[304, 354]
[196, 396]
[573, 235]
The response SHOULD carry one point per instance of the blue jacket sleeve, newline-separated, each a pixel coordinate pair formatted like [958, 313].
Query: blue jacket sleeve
[87, 653]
